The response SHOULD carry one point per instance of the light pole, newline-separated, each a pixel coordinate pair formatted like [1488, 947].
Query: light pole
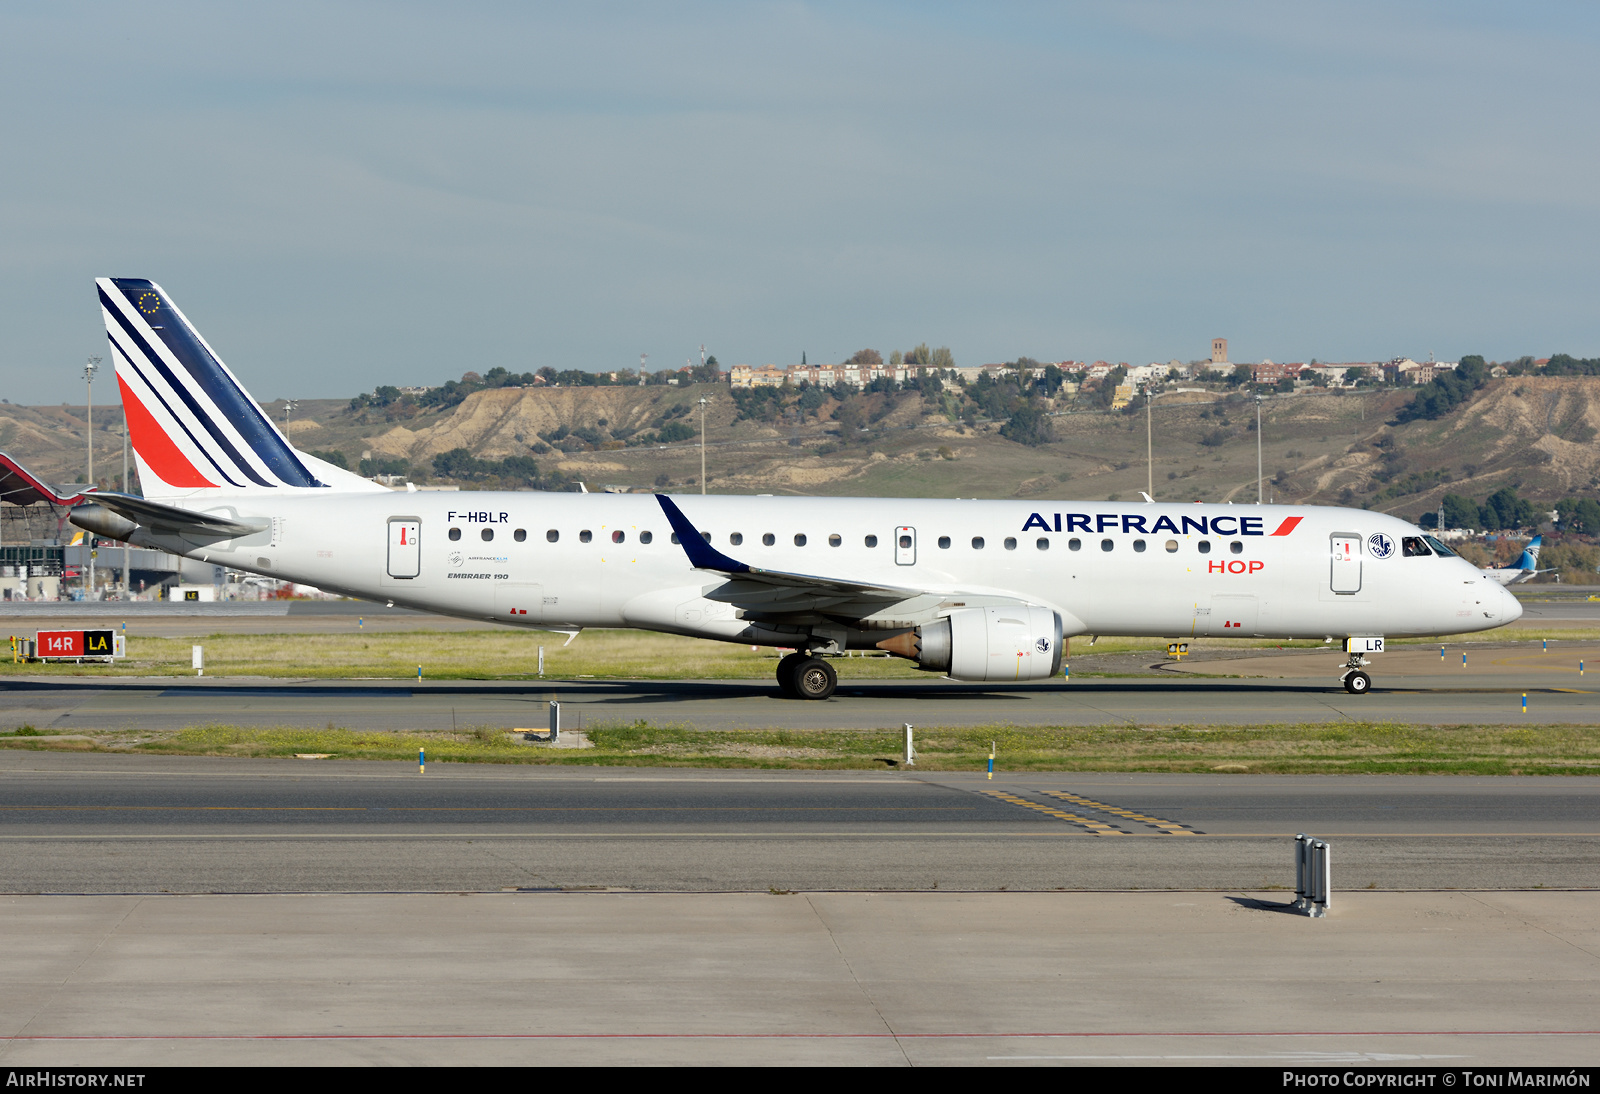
[1149, 451]
[703, 402]
[127, 584]
[288, 405]
[1258, 450]
[89, 370]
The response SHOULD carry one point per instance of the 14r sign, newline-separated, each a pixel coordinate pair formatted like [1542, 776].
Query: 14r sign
[105, 644]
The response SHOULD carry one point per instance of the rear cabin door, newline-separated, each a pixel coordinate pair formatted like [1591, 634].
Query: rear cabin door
[1345, 550]
[905, 546]
[405, 547]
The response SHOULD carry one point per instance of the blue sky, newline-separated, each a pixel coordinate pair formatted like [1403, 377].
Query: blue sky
[341, 195]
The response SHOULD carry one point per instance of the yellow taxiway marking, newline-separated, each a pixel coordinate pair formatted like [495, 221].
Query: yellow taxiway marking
[1171, 828]
[1099, 828]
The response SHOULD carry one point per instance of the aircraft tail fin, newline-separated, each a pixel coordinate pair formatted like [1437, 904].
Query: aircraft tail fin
[1529, 559]
[194, 429]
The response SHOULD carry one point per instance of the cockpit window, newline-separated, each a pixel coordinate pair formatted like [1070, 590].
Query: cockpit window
[1412, 546]
[1439, 548]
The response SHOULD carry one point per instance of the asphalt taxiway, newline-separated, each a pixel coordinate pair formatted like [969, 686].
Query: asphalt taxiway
[1205, 694]
[108, 823]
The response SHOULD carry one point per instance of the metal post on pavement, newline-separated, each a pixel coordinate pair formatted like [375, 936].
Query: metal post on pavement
[555, 721]
[911, 752]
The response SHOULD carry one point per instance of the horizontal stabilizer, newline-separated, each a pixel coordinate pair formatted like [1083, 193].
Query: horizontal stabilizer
[170, 520]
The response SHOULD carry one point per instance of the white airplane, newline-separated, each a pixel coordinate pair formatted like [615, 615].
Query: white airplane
[1524, 569]
[975, 590]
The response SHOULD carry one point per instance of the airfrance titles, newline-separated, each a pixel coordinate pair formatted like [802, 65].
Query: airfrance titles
[1180, 525]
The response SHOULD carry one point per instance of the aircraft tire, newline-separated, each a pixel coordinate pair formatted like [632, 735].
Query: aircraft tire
[1358, 683]
[786, 674]
[814, 679]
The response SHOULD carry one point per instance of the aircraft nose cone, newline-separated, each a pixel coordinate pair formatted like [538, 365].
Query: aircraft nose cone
[1510, 607]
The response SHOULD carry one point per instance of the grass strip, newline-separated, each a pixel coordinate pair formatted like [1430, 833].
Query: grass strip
[1346, 748]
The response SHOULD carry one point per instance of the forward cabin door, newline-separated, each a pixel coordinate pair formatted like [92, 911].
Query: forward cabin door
[405, 547]
[905, 546]
[1345, 549]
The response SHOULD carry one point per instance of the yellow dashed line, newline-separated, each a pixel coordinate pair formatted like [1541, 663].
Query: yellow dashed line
[1171, 828]
[1099, 828]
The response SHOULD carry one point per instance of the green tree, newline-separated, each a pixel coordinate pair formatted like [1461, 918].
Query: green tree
[1579, 515]
[1029, 425]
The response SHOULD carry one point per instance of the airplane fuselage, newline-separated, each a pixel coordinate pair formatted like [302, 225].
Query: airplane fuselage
[608, 560]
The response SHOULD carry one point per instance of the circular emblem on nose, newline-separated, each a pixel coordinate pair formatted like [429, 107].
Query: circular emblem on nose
[455, 558]
[1380, 545]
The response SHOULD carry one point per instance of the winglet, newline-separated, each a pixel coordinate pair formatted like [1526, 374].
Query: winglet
[702, 556]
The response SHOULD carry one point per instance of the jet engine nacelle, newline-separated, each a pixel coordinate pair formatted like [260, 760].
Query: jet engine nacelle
[1006, 643]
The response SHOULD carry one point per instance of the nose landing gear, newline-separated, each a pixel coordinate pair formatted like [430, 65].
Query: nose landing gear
[801, 676]
[1355, 681]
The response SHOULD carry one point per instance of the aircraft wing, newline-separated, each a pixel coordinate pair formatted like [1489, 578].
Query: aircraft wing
[782, 595]
[773, 586]
[20, 486]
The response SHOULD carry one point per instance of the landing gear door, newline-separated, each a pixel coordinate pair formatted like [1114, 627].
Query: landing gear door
[405, 547]
[905, 546]
[1345, 550]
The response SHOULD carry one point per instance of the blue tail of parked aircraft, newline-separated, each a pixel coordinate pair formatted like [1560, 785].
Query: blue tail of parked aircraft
[1529, 559]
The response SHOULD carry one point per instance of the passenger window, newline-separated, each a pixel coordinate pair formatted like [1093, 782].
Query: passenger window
[520, 535]
[800, 539]
[944, 543]
[1042, 543]
[1106, 545]
[1236, 547]
[736, 538]
[1138, 546]
[977, 543]
[871, 541]
[487, 534]
[552, 536]
[706, 536]
[585, 536]
[674, 538]
[1172, 545]
[618, 536]
[1412, 546]
[835, 539]
[769, 539]
[646, 537]
[1205, 546]
[455, 534]
[1011, 543]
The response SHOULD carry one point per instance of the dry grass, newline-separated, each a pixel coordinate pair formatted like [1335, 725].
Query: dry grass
[1360, 748]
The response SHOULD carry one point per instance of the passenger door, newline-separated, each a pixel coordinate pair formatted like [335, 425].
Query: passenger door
[1345, 551]
[405, 547]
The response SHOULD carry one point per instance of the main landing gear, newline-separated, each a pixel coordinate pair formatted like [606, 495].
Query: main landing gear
[801, 676]
[1356, 682]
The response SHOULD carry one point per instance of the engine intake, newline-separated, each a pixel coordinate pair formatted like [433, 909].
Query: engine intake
[1006, 643]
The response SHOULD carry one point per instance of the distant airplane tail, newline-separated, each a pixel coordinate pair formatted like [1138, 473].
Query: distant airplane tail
[194, 429]
[1529, 559]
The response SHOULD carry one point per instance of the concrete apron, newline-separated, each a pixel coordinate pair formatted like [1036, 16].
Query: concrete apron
[1454, 978]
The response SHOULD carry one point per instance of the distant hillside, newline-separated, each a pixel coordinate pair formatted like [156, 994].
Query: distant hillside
[1534, 433]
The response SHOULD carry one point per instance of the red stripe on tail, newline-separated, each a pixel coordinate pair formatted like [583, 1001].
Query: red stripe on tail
[154, 446]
